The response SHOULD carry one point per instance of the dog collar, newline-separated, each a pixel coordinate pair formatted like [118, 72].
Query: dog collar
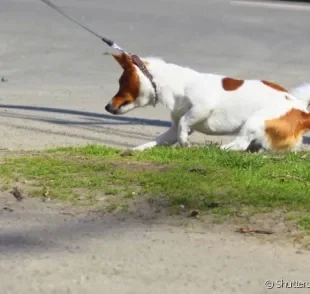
[138, 62]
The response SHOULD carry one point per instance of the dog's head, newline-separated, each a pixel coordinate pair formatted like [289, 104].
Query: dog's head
[135, 90]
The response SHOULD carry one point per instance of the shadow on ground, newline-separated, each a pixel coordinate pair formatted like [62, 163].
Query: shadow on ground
[119, 119]
[38, 226]
[77, 126]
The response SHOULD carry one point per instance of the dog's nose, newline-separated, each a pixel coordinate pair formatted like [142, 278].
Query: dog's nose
[108, 108]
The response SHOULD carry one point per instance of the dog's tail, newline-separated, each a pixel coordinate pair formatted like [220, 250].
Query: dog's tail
[302, 93]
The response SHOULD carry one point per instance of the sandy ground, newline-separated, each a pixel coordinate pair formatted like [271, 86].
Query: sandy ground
[58, 84]
[47, 247]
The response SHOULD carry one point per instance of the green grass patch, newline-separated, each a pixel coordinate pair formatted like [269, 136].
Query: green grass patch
[200, 178]
[304, 223]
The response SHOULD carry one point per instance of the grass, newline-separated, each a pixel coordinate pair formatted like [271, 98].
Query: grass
[208, 179]
[304, 222]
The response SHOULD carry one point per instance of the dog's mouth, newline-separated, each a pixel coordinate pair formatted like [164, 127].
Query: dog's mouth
[125, 107]
[109, 108]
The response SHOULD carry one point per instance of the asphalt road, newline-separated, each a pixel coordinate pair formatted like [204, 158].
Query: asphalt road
[58, 84]
[59, 80]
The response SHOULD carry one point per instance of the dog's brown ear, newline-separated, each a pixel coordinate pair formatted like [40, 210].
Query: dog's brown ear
[123, 59]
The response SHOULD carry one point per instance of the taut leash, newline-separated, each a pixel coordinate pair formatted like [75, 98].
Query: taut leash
[105, 40]
[136, 60]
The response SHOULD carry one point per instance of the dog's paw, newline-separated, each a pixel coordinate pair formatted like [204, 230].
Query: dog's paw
[183, 139]
[224, 147]
[184, 144]
[187, 144]
[228, 146]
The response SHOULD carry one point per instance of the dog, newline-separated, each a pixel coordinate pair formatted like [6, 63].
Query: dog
[208, 103]
[279, 127]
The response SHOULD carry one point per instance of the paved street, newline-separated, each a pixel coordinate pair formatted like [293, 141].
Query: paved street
[59, 80]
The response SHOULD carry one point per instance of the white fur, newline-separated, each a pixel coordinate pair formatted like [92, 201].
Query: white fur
[254, 128]
[198, 102]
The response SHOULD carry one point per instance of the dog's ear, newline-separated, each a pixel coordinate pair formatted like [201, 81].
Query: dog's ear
[124, 60]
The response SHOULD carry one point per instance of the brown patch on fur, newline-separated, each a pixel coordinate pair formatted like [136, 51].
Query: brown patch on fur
[124, 60]
[230, 84]
[284, 132]
[129, 84]
[274, 86]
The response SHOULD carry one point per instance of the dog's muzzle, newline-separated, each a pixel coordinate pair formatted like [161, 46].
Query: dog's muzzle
[109, 108]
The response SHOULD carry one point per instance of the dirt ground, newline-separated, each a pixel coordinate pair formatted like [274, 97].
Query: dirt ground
[48, 247]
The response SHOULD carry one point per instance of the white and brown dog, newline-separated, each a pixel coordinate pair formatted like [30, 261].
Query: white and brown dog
[212, 104]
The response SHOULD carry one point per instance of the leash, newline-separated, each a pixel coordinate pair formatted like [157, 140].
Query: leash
[105, 40]
[136, 60]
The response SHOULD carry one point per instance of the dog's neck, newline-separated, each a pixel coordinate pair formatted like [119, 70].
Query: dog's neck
[171, 81]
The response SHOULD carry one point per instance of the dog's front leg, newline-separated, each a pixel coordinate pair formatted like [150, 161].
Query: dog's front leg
[168, 138]
[193, 116]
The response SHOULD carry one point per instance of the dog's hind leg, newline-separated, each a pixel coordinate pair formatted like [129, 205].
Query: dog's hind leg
[251, 136]
[240, 144]
[254, 146]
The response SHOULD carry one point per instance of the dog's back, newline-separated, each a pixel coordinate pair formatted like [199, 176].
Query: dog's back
[230, 102]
